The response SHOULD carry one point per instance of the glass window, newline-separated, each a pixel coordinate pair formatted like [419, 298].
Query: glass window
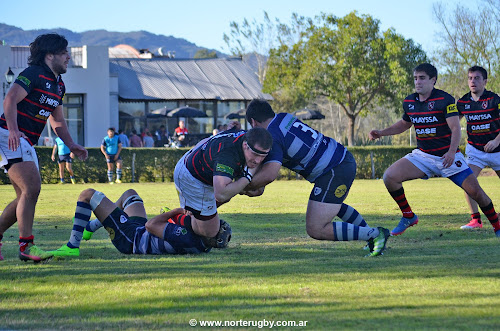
[73, 113]
[131, 115]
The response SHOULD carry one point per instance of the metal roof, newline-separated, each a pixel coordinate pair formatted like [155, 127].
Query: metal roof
[186, 79]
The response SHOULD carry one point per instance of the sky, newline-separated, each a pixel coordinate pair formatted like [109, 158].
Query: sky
[205, 22]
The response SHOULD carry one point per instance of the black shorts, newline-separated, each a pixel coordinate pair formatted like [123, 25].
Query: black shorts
[65, 158]
[333, 186]
[121, 229]
[112, 158]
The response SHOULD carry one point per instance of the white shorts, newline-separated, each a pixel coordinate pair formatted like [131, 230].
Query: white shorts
[25, 151]
[194, 195]
[432, 165]
[482, 159]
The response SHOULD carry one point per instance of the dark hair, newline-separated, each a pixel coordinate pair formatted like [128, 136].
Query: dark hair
[112, 129]
[428, 68]
[259, 136]
[259, 110]
[134, 131]
[51, 43]
[480, 69]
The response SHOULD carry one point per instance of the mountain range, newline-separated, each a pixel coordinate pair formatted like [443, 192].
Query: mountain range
[15, 36]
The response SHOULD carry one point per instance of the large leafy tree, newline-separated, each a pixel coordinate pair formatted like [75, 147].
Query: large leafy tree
[349, 61]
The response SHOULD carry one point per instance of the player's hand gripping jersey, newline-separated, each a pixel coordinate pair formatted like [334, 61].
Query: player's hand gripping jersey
[302, 149]
[483, 118]
[429, 119]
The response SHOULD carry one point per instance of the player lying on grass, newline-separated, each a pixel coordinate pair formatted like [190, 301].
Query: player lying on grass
[131, 232]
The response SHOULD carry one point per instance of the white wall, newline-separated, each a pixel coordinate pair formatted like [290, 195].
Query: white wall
[93, 81]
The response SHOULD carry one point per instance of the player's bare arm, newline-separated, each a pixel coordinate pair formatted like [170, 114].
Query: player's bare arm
[60, 127]
[454, 124]
[225, 188]
[397, 128]
[492, 144]
[156, 225]
[15, 95]
[266, 174]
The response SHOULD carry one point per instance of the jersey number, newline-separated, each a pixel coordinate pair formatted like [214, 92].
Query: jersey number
[304, 132]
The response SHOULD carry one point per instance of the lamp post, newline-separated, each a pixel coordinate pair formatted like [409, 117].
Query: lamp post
[9, 77]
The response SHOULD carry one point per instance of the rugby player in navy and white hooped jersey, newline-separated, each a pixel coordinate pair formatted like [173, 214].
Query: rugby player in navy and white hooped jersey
[435, 116]
[481, 109]
[36, 96]
[322, 161]
[131, 232]
[214, 171]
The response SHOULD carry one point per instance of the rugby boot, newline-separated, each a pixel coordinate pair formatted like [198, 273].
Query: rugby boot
[404, 224]
[473, 224]
[33, 253]
[66, 251]
[87, 234]
[380, 242]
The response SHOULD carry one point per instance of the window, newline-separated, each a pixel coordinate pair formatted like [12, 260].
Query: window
[73, 113]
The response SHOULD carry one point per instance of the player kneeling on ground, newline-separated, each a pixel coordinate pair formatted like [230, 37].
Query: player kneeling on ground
[131, 232]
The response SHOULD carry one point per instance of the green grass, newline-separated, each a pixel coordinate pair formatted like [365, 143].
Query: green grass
[435, 276]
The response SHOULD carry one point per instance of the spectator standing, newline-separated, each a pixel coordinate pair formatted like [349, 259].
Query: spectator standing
[148, 140]
[135, 140]
[123, 138]
[111, 148]
[161, 137]
[180, 134]
[65, 157]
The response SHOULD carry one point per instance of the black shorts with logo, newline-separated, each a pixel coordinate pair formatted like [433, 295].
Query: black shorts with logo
[333, 186]
[121, 229]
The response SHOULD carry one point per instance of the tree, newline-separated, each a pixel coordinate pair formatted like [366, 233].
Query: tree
[253, 40]
[349, 61]
[469, 37]
[205, 54]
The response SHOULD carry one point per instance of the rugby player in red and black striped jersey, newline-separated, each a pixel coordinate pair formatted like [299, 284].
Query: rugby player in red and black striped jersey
[435, 116]
[214, 171]
[481, 109]
[35, 96]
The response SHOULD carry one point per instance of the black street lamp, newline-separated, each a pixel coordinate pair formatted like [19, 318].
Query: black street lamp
[9, 77]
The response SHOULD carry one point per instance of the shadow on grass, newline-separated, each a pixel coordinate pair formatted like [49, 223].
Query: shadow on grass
[271, 270]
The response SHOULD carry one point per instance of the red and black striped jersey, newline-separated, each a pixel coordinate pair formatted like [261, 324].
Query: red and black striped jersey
[483, 118]
[221, 155]
[45, 93]
[429, 119]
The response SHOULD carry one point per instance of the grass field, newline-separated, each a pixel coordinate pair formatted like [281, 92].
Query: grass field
[435, 276]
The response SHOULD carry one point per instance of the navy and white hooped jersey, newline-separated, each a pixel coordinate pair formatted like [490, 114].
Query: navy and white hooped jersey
[302, 149]
[483, 118]
[429, 119]
[178, 240]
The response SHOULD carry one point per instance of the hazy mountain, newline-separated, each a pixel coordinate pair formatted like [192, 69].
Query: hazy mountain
[15, 36]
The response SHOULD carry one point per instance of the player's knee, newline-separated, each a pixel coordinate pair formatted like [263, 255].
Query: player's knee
[32, 192]
[86, 195]
[313, 231]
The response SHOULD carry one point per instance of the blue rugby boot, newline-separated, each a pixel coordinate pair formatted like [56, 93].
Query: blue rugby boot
[404, 224]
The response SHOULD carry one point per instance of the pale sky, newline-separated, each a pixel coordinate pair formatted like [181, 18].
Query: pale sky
[205, 22]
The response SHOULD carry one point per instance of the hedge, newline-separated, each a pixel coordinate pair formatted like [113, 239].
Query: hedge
[157, 164]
